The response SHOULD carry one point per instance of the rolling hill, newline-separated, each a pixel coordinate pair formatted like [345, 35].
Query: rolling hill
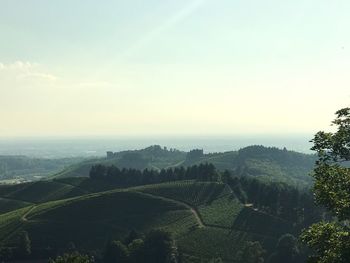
[206, 218]
[263, 162]
[22, 168]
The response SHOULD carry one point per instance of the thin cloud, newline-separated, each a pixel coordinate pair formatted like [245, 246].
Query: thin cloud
[95, 84]
[25, 70]
[18, 65]
[185, 12]
[36, 75]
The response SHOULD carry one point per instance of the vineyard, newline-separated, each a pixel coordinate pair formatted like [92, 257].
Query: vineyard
[190, 192]
[37, 192]
[7, 205]
[92, 220]
[206, 218]
[221, 212]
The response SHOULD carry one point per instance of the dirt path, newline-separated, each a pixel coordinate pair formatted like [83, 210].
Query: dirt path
[192, 209]
[17, 225]
[24, 216]
[175, 165]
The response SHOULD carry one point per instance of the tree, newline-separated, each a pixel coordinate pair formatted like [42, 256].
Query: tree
[136, 251]
[330, 241]
[74, 257]
[5, 254]
[24, 247]
[159, 247]
[252, 252]
[133, 234]
[286, 250]
[116, 251]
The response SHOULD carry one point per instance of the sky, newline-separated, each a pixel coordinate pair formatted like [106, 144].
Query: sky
[172, 67]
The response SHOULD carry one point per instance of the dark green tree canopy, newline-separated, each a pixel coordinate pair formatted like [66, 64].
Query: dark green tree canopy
[331, 240]
[252, 252]
[73, 257]
[116, 251]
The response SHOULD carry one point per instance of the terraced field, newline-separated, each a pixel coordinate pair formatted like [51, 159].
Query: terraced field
[218, 207]
[227, 222]
[38, 192]
[10, 223]
[206, 218]
[221, 212]
[190, 192]
[92, 220]
[7, 205]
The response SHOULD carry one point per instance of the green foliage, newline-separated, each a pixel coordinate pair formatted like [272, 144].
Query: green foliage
[267, 163]
[261, 223]
[156, 246]
[30, 168]
[212, 242]
[274, 164]
[91, 220]
[136, 250]
[193, 193]
[330, 240]
[133, 177]
[24, 247]
[6, 254]
[10, 223]
[331, 188]
[286, 250]
[7, 205]
[74, 257]
[38, 192]
[216, 260]
[287, 244]
[194, 155]
[252, 252]
[159, 247]
[221, 212]
[116, 251]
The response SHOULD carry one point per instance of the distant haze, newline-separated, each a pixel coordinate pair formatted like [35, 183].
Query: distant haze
[97, 146]
[149, 68]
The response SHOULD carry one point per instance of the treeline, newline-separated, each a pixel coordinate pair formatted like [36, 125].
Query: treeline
[284, 156]
[280, 199]
[132, 177]
[156, 246]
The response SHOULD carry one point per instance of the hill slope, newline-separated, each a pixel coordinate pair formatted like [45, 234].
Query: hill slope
[205, 218]
[267, 163]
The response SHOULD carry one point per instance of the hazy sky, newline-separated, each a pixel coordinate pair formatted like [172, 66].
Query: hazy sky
[136, 67]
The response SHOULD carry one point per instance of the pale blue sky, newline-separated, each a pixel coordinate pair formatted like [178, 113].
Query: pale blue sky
[172, 66]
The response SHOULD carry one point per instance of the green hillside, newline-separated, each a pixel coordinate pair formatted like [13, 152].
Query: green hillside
[92, 220]
[190, 192]
[7, 205]
[205, 218]
[23, 168]
[217, 206]
[153, 157]
[38, 192]
[263, 162]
